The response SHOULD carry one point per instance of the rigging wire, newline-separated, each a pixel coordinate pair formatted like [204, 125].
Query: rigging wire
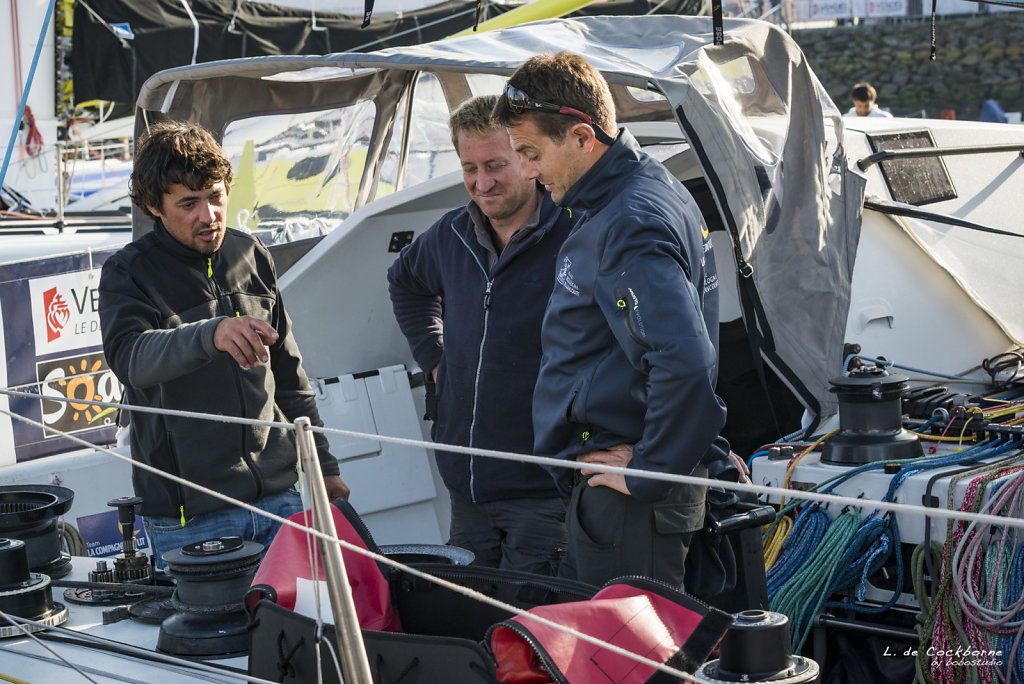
[869, 552]
[384, 559]
[502, 455]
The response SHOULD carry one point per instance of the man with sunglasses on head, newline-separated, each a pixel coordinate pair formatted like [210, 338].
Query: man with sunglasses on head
[469, 295]
[630, 335]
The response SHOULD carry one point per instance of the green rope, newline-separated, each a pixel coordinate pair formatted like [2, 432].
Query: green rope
[801, 596]
[925, 593]
[952, 615]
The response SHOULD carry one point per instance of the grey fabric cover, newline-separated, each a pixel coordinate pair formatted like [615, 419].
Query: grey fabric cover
[747, 105]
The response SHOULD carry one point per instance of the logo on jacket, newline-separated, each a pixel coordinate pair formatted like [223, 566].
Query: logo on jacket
[57, 313]
[565, 278]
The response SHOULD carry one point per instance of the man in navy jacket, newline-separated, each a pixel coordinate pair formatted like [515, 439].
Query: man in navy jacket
[631, 330]
[469, 294]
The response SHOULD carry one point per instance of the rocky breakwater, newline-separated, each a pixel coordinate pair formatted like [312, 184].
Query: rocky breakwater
[979, 57]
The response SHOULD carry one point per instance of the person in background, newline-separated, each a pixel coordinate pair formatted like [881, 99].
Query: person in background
[192, 320]
[864, 96]
[469, 295]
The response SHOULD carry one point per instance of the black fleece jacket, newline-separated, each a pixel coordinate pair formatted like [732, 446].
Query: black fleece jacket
[160, 303]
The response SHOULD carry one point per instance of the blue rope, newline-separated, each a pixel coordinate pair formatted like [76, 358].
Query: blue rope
[750, 460]
[808, 530]
[24, 95]
[885, 363]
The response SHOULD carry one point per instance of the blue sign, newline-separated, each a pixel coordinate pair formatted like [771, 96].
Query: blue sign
[102, 534]
[123, 31]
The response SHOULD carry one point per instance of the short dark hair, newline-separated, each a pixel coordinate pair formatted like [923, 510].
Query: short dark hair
[175, 152]
[474, 117]
[564, 79]
[863, 92]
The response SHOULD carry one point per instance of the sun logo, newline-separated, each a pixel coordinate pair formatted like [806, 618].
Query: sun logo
[81, 384]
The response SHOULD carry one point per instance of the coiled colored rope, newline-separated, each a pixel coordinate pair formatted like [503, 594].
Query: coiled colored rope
[774, 539]
[808, 530]
[801, 596]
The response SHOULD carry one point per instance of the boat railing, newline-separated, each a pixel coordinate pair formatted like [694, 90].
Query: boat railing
[919, 152]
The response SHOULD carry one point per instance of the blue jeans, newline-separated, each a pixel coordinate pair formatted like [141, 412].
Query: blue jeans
[167, 533]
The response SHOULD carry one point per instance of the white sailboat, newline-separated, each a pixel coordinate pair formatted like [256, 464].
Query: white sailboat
[918, 262]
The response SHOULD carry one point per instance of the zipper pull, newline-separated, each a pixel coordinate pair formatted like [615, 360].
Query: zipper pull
[487, 295]
[182, 515]
[209, 267]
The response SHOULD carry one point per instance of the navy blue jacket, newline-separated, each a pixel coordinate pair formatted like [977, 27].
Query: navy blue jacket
[482, 327]
[630, 336]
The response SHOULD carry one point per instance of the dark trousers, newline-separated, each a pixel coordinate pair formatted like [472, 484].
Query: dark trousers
[527, 535]
[613, 535]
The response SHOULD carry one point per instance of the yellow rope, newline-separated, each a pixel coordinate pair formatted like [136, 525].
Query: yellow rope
[773, 544]
[792, 464]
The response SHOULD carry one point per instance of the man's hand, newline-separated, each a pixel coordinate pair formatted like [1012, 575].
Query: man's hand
[245, 338]
[618, 455]
[336, 488]
[740, 466]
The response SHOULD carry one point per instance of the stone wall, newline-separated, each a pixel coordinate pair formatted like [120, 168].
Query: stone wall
[979, 57]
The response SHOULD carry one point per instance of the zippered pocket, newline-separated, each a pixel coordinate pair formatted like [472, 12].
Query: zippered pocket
[628, 304]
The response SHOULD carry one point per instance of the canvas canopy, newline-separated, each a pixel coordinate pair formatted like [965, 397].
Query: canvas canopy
[766, 136]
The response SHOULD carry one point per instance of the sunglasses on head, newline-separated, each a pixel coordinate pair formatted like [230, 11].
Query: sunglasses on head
[518, 102]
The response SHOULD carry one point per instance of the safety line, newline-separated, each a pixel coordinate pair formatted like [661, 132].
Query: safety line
[941, 513]
[380, 558]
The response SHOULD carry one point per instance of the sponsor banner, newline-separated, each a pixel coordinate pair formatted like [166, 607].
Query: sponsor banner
[49, 324]
[65, 311]
[83, 376]
[878, 9]
[102, 534]
[815, 10]
[6, 429]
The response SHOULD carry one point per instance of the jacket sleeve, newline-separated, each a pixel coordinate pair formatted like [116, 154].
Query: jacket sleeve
[293, 394]
[655, 315]
[416, 290]
[138, 350]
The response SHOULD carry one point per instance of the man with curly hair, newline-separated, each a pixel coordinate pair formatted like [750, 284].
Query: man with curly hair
[192, 320]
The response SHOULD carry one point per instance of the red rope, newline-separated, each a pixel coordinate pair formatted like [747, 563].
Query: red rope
[33, 139]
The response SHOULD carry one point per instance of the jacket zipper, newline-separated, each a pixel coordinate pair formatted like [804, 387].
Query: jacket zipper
[622, 304]
[238, 384]
[479, 361]
[177, 471]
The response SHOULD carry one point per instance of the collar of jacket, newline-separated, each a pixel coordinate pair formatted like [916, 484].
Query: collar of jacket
[603, 180]
[548, 216]
[175, 248]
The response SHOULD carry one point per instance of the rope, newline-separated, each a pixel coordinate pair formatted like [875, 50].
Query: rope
[823, 498]
[808, 531]
[801, 596]
[24, 95]
[773, 541]
[384, 559]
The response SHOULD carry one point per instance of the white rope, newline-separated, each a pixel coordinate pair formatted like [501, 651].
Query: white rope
[377, 557]
[828, 498]
[904, 508]
[14, 620]
[129, 650]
